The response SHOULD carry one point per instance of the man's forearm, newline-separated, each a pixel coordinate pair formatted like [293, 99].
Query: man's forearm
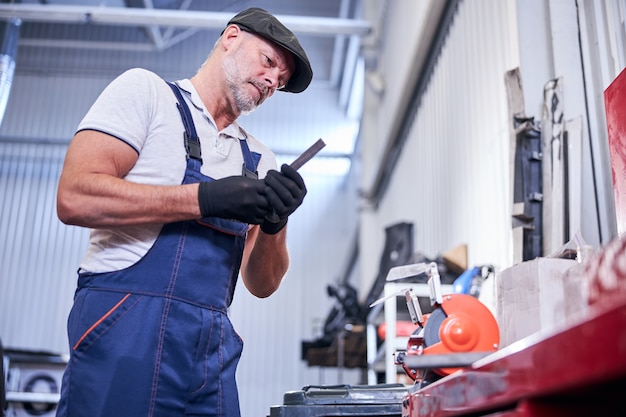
[110, 202]
[266, 264]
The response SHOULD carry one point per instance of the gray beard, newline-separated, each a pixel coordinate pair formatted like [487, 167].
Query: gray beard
[245, 104]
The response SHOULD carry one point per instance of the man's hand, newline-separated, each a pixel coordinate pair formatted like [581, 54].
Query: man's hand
[236, 197]
[285, 191]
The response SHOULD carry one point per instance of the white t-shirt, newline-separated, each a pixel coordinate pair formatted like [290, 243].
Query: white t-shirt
[139, 108]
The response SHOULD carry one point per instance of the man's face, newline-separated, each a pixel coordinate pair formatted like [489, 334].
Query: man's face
[254, 69]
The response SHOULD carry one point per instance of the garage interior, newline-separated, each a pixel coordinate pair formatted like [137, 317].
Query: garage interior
[472, 148]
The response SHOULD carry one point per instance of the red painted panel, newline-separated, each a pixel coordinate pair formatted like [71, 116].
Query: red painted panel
[615, 105]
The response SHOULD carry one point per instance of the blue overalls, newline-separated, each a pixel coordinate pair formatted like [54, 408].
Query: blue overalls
[154, 339]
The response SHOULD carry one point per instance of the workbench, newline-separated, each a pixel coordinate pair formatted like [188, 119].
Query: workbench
[576, 371]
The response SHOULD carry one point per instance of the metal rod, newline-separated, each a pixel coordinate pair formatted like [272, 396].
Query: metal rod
[308, 154]
[124, 16]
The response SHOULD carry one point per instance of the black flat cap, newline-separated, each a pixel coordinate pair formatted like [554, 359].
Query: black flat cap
[262, 23]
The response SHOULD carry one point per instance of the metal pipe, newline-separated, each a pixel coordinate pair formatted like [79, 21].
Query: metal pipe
[122, 16]
[8, 52]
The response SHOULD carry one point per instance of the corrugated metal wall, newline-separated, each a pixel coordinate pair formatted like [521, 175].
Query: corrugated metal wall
[457, 154]
[451, 179]
[39, 255]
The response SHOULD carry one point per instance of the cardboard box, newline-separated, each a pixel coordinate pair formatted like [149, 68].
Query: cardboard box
[531, 297]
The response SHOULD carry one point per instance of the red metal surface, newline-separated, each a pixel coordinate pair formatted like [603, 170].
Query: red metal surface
[615, 105]
[578, 372]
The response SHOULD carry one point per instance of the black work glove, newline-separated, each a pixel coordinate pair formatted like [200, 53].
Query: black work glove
[239, 198]
[285, 191]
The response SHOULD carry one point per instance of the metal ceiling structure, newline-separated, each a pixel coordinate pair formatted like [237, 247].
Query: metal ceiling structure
[89, 36]
[152, 18]
[92, 24]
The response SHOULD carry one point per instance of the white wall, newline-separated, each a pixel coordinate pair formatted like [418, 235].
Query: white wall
[451, 179]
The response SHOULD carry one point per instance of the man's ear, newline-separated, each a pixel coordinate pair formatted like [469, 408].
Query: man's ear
[231, 33]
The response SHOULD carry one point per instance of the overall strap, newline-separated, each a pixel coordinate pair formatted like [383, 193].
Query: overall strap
[249, 163]
[192, 142]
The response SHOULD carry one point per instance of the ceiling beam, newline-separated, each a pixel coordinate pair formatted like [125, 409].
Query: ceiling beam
[153, 31]
[122, 16]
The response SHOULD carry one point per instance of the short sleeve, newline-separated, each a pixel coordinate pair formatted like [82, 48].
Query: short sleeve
[125, 108]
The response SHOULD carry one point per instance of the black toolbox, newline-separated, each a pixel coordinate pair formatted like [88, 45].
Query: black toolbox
[342, 400]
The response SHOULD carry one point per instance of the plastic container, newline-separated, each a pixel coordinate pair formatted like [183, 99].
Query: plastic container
[342, 400]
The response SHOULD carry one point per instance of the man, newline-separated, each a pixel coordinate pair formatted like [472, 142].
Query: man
[167, 180]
